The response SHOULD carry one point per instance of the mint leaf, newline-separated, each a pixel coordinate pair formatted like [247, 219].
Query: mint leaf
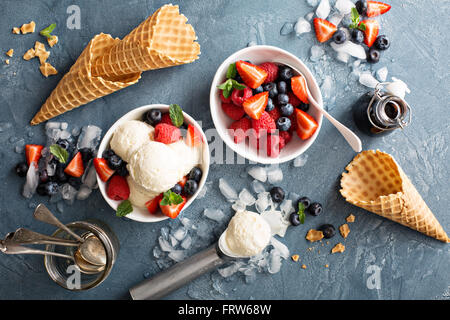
[362, 27]
[226, 87]
[237, 85]
[171, 198]
[124, 208]
[354, 14]
[355, 20]
[231, 72]
[176, 115]
[60, 153]
[47, 32]
[301, 212]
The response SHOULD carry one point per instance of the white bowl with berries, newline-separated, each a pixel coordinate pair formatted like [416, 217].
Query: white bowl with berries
[144, 154]
[259, 105]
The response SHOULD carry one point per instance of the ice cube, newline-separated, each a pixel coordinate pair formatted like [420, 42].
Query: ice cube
[312, 3]
[228, 191]
[278, 224]
[64, 134]
[228, 271]
[214, 214]
[323, 10]
[186, 222]
[202, 192]
[344, 6]
[353, 49]
[173, 241]
[258, 173]
[238, 206]
[32, 181]
[64, 125]
[274, 261]
[300, 161]
[177, 255]
[258, 187]
[187, 242]
[287, 28]
[157, 253]
[302, 26]
[286, 208]
[84, 192]
[164, 244]
[336, 18]
[246, 197]
[309, 16]
[316, 53]
[281, 247]
[262, 202]
[180, 233]
[327, 88]
[274, 174]
[342, 56]
[165, 233]
[397, 87]
[89, 137]
[90, 178]
[68, 193]
[250, 275]
[204, 229]
[366, 79]
[76, 131]
[382, 74]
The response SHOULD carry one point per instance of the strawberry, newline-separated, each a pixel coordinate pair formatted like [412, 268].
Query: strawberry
[238, 129]
[306, 124]
[371, 32]
[298, 85]
[293, 99]
[272, 71]
[239, 96]
[274, 114]
[183, 181]
[33, 153]
[103, 171]
[118, 188]
[193, 136]
[375, 8]
[223, 99]
[264, 124]
[153, 205]
[233, 111]
[75, 167]
[253, 76]
[166, 133]
[254, 106]
[324, 29]
[166, 119]
[286, 136]
[172, 210]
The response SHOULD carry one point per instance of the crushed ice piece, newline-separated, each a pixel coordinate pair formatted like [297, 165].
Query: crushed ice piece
[64, 135]
[214, 214]
[164, 244]
[187, 242]
[204, 229]
[300, 161]
[180, 233]
[302, 26]
[68, 193]
[286, 208]
[382, 74]
[228, 191]
[323, 10]
[309, 16]
[89, 137]
[203, 191]
[163, 263]
[238, 206]
[278, 225]
[312, 3]
[186, 222]
[177, 255]
[366, 79]
[228, 271]
[250, 275]
[287, 28]
[84, 192]
[344, 6]
[274, 261]
[64, 125]
[157, 253]
[32, 181]
[258, 186]
[397, 87]
[173, 241]
[258, 173]
[336, 18]
[76, 131]
[342, 56]
[246, 197]
[281, 247]
[263, 202]
[165, 233]
[353, 49]
[90, 178]
[274, 174]
[327, 88]
[316, 53]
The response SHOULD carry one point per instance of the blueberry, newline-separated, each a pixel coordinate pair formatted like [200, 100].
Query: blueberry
[285, 73]
[357, 36]
[373, 56]
[339, 36]
[75, 182]
[286, 110]
[282, 87]
[361, 6]
[108, 153]
[41, 189]
[283, 123]
[63, 143]
[21, 169]
[115, 162]
[294, 218]
[60, 175]
[382, 42]
[153, 116]
[195, 174]
[258, 90]
[328, 230]
[43, 176]
[123, 171]
[315, 209]
[303, 106]
[51, 188]
[270, 105]
[277, 194]
[282, 98]
[238, 78]
[305, 201]
[177, 189]
[86, 154]
[190, 187]
[271, 88]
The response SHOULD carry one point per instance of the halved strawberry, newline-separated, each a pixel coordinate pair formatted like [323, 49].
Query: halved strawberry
[371, 32]
[103, 170]
[183, 181]
[193, 136]
[253, 76]
[375, 8]
[255, 106]
[172, 211]
[324, 29]
[75, 167]
[153, 205]
[298, 85]
[306, 124]
[33, 153]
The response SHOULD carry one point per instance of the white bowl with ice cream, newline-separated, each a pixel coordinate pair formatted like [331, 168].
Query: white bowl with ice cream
[154, 167]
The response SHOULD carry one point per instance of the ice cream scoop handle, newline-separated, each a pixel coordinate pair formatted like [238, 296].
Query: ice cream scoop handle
[178, 275]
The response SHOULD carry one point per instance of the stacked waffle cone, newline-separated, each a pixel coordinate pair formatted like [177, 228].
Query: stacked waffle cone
[107, 65]
[375, 182]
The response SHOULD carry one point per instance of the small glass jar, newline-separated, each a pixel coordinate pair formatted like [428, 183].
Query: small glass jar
[64, 271]
[379, 113]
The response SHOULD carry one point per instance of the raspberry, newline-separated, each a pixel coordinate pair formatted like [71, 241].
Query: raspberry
[274, 114]
[239, 96]
[166, 119]
[265, 122]
[166, 133]
[293, 99]
[223, 99]
[293, 119]
[239, 128]
[286, 136]
[272, 71]
[233, 111]
[118, 188]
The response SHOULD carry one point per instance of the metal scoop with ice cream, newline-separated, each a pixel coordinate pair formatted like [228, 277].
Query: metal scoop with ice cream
[247, 235]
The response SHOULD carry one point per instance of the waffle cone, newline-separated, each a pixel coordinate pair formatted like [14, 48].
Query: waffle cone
[375, 182]
[79, 86]
[163, 40]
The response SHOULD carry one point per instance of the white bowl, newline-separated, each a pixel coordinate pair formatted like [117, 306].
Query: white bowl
[141, 214]
[257, 55]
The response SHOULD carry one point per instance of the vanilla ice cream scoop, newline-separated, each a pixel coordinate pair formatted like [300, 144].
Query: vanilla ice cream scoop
[129, 137]
[138, 195]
